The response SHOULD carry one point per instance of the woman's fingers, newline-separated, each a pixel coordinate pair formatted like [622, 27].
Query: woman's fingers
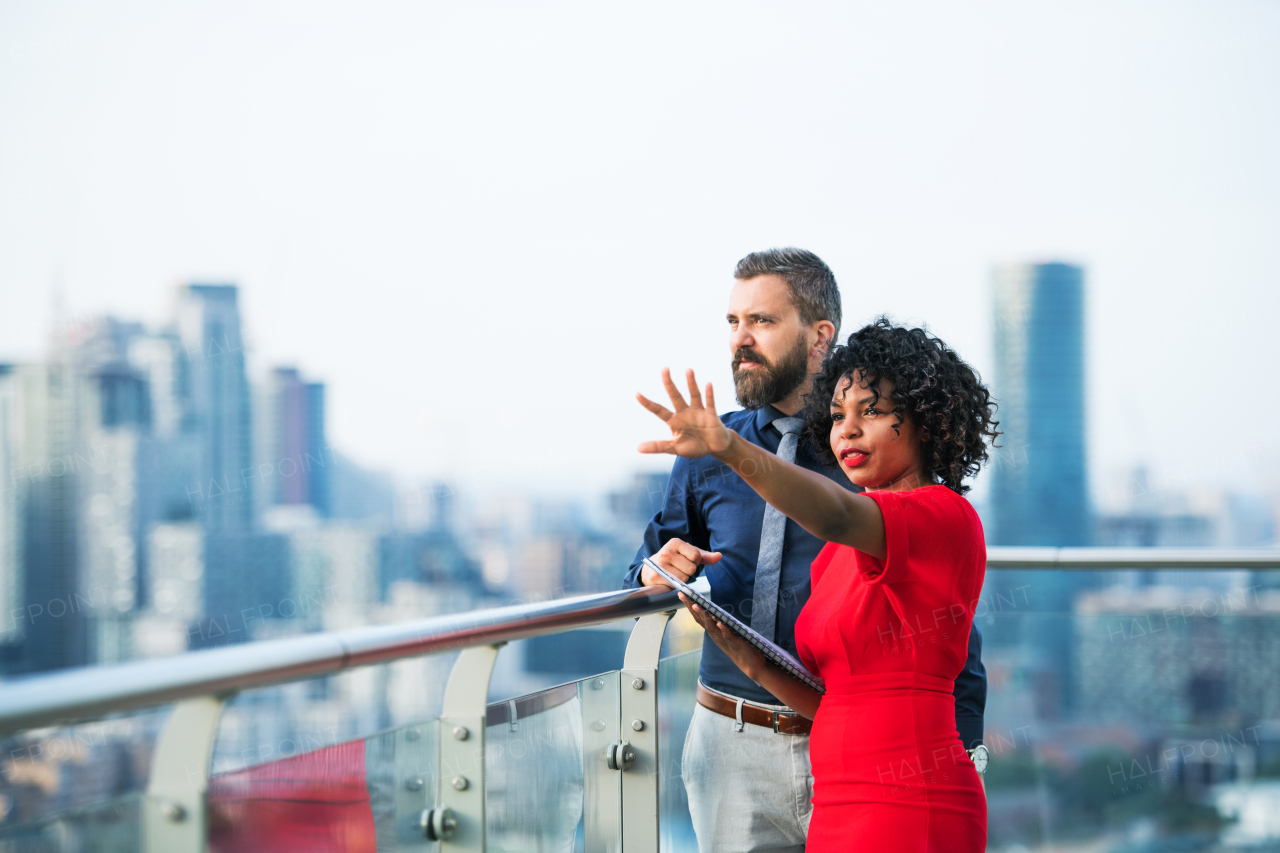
[657, 447]
[695, 611]
[695, 398]
[657, 408]
[677, 401]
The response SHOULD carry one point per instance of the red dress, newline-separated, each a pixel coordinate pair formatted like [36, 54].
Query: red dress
[889, 638]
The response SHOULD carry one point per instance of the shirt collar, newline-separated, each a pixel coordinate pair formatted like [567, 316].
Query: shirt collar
[767, 415]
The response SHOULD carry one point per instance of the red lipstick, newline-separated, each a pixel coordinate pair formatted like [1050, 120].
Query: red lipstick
[852, 457]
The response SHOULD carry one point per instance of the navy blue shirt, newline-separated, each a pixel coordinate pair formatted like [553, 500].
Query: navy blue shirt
[710, 506]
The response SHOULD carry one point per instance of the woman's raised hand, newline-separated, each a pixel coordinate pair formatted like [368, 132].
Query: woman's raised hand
[695, 428]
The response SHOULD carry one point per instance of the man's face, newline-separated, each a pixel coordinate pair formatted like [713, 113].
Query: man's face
[769, 343]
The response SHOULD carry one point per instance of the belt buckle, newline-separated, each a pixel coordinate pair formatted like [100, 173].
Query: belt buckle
[778, 717]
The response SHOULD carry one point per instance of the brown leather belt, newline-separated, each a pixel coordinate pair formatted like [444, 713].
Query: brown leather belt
[782, 722]
[502, 712]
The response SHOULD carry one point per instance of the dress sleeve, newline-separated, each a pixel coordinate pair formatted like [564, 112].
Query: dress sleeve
[893, 568]
[921, 526]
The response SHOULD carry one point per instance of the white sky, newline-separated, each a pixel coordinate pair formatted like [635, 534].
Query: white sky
[486, 225]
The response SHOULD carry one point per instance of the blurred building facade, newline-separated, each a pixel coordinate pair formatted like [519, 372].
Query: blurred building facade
[1039, 489]
[296, 462]
[161, 496]
[206, 318]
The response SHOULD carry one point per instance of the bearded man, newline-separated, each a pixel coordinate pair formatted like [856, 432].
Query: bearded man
[746, 756]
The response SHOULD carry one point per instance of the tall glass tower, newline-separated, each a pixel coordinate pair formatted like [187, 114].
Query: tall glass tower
[1039, 492]
[207, 321]
[1039, 480]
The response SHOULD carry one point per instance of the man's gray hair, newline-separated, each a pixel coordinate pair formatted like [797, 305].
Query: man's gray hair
[812, 284]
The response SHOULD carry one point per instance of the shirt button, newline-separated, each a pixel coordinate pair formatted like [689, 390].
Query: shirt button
[786, 547]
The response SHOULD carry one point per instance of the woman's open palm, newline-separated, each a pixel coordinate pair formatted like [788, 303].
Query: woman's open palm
[695, 428]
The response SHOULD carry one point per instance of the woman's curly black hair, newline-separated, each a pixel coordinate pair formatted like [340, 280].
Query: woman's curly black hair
[943, 396]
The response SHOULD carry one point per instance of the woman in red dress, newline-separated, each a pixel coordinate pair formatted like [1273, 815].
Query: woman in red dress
[887, 624]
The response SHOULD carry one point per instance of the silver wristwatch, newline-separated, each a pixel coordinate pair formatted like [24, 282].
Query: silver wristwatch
[980, 755]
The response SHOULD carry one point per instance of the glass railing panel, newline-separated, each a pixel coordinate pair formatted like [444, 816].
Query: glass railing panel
[111, 826]
[548, 786]
[1132, 711]
[601, 786]
[267, 724]
[50, 771]
[403, 783]
[677, 695]
[358, 796]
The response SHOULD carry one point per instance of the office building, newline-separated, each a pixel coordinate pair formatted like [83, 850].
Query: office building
[1039, 489]
[295, 464]
[207, 322]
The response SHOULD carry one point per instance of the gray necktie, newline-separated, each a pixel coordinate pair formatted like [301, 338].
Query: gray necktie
[764, 604]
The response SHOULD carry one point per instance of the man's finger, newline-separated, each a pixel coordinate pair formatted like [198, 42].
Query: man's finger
[690, 552]
[698, 556]
[648, 577]
[711, 399]
[679, 565]
[676, 564]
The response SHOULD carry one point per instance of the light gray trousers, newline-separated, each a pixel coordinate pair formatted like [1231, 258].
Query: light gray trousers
[749, 791]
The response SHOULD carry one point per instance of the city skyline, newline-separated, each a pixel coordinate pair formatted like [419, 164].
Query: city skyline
[415, 242]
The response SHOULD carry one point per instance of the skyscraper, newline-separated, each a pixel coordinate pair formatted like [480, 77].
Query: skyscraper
[1039, 493]
[46, 627]
[207, 321]
[297, 462]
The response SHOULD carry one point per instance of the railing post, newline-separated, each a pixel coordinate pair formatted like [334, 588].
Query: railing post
[640, 727]
[175, 817]
[457, 820]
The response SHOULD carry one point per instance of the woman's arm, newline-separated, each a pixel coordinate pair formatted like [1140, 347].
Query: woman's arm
[821, 507]
[825, 509]
[797, 696]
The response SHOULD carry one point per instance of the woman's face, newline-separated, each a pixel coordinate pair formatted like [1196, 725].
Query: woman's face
[870, 452]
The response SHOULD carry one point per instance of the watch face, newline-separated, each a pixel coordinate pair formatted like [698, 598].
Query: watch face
[980, 756]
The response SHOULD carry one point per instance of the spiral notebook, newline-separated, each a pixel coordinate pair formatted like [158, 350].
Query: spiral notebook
[771, 650]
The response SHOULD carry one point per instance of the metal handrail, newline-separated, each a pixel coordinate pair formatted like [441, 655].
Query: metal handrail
[94, 691]
[1125, 559]
[91, 692]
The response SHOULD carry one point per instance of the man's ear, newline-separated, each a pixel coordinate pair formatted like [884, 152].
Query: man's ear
[826, 331]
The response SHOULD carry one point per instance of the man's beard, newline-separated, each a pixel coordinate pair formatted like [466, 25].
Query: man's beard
[770, 382]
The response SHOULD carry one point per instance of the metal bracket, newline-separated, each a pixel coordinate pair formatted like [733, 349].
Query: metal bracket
[620, 756]
[462, 738]
[439, 824]
[174, 817]
[640, 722]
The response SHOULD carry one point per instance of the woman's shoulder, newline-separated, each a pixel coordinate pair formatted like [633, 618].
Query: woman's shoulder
[938, 497]
[934, 508]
